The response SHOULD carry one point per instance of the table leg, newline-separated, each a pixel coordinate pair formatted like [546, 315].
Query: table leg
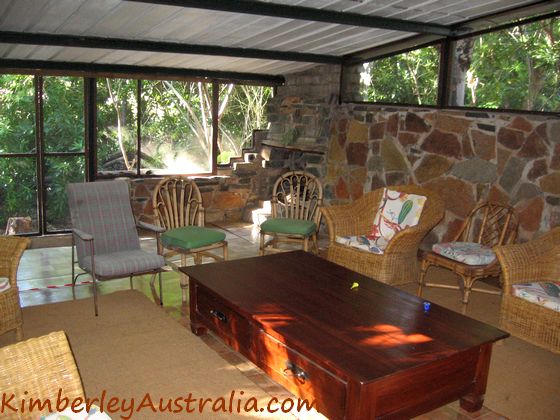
[474, 400]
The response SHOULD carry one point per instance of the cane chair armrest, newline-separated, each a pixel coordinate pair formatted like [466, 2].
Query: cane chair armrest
[340, 220]
[11, 250]
[151, 227]
[531, 261]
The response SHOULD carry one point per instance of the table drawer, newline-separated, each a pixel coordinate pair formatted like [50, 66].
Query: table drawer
[224, 321]
[302, 376]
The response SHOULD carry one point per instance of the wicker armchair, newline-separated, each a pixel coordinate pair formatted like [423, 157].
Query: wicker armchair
[11, 250]
[399, 263]
[36, 369]
[534, 261]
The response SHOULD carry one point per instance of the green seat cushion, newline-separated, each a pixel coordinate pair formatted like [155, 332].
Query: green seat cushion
[191, 237]
[289, 226]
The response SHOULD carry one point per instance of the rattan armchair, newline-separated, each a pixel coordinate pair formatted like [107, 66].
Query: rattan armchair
[37, 369]
[399, 263]
[11, 250]
[533, 261]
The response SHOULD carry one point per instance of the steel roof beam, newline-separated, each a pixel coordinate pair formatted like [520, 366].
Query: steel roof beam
[308, 13]
[160, 47]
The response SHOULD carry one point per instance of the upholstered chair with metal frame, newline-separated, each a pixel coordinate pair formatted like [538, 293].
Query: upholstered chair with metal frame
[11, 250]
[396, 262]
[469, 254]
[178, 211]
[297, 197]
[105, 236]
[531, 299]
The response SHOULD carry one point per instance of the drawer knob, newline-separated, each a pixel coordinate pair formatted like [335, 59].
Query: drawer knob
[220, 315]
[295, 371]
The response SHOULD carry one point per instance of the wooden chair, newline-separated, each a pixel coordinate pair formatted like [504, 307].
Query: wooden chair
[178, 210]
[39, 368]
[105, 235]
[399, 263]
[11, 250]
[296, 200]
[488, 224]
[535, 261]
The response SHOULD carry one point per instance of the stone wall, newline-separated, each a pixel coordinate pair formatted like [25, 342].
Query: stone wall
[465, 156]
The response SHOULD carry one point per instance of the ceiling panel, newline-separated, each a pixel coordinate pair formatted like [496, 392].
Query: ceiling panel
[152, 22]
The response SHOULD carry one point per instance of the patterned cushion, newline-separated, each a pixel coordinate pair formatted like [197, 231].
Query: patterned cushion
[124, 263]
[546, 294]
[397, 211]
[191, 237]
[363, 242]
[289, 226]
[4, 284]
[469, 253]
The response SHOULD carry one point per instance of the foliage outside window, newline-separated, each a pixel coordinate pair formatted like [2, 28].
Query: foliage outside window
[176, 124]
[515, 68]
[407, 78]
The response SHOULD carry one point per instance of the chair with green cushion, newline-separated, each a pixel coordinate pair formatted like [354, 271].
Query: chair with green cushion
[178, 209]
[296, 200]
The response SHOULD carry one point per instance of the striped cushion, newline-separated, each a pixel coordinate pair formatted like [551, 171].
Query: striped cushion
[4, 284]
[544, 293]
[124, 263]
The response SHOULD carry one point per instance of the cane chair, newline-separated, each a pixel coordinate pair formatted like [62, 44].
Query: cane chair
[536, 262]
[469, 254]
[11, 250]
[178, 210]
[296, 200]
[398, 263]
[105, 236]
[38, 369]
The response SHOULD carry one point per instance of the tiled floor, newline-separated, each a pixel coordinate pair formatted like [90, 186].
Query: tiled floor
[45, 273]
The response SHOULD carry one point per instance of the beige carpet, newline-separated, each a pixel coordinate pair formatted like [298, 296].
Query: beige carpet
[133, 348]
[524, 380]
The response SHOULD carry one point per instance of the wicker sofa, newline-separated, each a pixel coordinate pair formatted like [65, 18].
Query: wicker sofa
[399, 263]
[530, 262]
[11, 250]
[37, 368]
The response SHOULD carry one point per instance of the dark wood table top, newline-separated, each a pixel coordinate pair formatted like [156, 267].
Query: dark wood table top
[310, 304]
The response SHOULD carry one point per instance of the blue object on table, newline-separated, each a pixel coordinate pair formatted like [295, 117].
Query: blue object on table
[427, 306]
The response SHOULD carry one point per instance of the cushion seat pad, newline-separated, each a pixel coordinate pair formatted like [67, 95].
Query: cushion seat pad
[546, 294]
[469, 253]
[363, 242]
[191, 237]
[124, 263]
[289, 226]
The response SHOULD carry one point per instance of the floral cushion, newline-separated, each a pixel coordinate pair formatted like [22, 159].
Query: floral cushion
[363, 242]
[4, 284]
[469, 253]
[546, 294]
[397, 211]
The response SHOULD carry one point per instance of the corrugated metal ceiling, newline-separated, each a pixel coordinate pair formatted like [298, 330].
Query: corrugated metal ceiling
[158, 23]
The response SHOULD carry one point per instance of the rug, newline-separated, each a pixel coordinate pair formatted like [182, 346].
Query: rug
[133, 348]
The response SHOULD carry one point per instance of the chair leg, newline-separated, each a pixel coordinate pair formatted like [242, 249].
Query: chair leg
[226, 252]
[261, 246]
[94, 293]
[19, 333]
[160, 289]
[315, 244]
[306, 244]
[131, 285]
[424, 265]
[184, 282]
[467, 287]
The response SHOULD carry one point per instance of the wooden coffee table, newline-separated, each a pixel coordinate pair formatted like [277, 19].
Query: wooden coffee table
[360, 348]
